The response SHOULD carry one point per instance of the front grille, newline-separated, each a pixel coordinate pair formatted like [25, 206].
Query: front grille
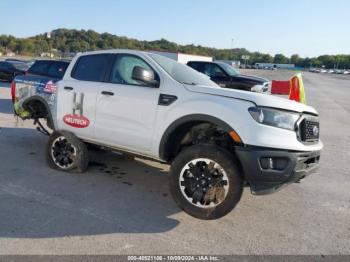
[266, 86]
[309, 129]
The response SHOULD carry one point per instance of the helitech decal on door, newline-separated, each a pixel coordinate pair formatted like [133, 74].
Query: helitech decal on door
[77, 120]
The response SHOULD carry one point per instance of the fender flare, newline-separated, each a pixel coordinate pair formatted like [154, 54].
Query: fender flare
[188, 119]
[44, 102]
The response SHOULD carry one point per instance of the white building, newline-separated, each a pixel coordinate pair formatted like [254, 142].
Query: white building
[183, 58]
[233, 63]
[47, 54]
[271, 65]
[10, 53]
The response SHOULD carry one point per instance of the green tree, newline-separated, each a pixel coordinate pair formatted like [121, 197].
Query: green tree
[296, 60]
[280, 59]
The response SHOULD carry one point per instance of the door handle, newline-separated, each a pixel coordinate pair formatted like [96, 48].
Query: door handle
[107, 93]
[69, 88]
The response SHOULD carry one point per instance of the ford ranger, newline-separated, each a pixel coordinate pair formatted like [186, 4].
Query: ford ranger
[217, 140]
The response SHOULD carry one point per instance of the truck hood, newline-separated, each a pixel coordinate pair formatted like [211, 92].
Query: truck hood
[253, 79]
[264, 100]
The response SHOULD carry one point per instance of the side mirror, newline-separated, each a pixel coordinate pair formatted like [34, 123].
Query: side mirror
[145, 76]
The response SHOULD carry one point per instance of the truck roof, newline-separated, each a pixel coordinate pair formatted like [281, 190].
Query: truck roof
[109, 51]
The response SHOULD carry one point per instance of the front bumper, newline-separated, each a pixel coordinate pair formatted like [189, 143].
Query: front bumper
[268, 170]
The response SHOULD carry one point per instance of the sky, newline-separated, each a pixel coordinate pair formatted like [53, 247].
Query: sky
[305, 27]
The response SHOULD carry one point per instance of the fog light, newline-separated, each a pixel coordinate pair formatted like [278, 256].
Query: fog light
[273, 163]
[266, 163]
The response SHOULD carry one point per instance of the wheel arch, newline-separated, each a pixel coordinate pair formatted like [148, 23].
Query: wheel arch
[180, 126]
[39, 100]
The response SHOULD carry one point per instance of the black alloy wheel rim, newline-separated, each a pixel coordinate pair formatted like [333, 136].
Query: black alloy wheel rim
[204, 183]
[63, 153]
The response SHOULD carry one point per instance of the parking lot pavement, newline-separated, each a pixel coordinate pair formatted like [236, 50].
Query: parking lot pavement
[122, 206]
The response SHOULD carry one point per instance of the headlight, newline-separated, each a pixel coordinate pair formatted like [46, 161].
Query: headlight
[274, 117]
[257, 88]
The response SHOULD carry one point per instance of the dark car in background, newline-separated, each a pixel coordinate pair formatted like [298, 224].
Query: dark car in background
[227, 76]
[10, 69]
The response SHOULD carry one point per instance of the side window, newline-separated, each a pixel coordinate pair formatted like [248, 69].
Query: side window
[123, 67]
[197, 66]
[91, 67]
[213, 70]
[57, 69]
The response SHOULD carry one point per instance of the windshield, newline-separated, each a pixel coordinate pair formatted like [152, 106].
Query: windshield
[229, 69]
[182, 73]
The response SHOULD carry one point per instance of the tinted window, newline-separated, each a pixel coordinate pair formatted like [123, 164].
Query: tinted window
[39, 68]
[91, 67]
[2, 65]
[57, 69]
[19, 66]
[229, 69]
[123, 67]
[213, 70]
[196, 66]
[49, 68]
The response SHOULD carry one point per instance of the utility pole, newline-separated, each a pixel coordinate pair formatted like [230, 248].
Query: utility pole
[48, 35]
[233, 53]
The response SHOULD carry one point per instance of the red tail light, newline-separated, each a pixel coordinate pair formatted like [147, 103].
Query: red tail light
[13, 91]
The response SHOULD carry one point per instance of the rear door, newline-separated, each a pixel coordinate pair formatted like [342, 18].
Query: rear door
[126, 109]
[76, 101]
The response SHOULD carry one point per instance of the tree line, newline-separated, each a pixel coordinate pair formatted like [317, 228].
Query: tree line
[67, 41]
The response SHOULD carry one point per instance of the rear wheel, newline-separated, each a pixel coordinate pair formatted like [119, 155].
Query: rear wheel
[205, 181]
[66, 152]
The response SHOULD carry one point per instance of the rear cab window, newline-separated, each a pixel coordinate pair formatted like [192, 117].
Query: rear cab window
[92, 67]
[55, 69]
[39, 68]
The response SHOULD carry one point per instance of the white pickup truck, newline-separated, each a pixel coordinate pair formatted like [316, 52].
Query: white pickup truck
[217, 140]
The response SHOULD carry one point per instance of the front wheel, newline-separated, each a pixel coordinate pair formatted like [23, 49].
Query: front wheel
[205, 181]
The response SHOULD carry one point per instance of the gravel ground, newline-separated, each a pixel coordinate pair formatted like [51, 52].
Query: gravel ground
[122, 206]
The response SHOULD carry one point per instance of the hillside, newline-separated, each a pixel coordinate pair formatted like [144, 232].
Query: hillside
[70, 41]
